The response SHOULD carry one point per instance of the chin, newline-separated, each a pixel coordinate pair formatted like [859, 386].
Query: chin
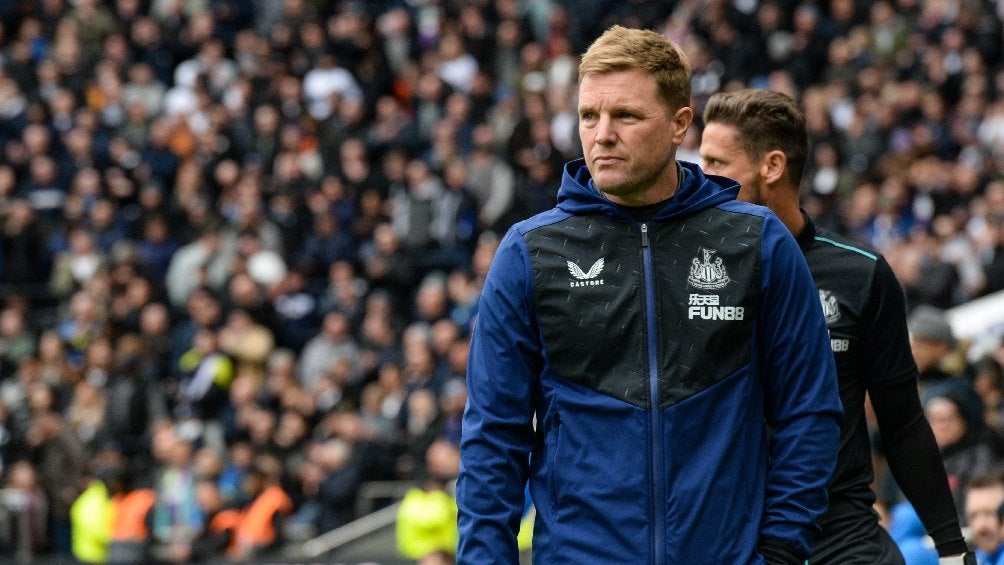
[607, 183]
[610, 189]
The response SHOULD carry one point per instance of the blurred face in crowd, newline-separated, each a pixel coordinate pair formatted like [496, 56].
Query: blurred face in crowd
[946, 421]
[154, 319]
[22, 477]
[443, 460]
[11, 322]
[927, 353]
[982, 505]
[207, 495]
[629, 136]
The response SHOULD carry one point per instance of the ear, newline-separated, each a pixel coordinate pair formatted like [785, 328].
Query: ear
[681, 122]
[772, 166]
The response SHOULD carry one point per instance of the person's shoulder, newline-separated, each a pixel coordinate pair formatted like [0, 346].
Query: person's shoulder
[836, 244]
[540, 220]
[747, 208]
[760, 218]
[842, 262]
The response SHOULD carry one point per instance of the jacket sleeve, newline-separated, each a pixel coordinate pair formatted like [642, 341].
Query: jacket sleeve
[504, 364]
[802, 402]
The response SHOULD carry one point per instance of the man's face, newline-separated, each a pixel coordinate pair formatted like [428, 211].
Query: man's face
[629, 136]
[947, 422]
[927, 353]
[722, 155]
[981, 515]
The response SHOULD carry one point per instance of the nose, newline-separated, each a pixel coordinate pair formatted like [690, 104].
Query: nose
[605, 132]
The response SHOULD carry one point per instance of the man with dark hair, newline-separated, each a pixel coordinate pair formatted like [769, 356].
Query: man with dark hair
[984, 506]
[758, 138]
[632, 342]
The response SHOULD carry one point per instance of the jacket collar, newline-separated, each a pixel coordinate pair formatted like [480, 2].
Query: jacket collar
[808, 233]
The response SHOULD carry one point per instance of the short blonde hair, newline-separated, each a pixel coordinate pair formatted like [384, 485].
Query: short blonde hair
[624, 48]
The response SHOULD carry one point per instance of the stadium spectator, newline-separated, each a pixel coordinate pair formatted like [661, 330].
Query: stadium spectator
[176, 519]
[984, 499]
[90, 517]
[221, 520]
[17, 342]
[258, 529]
[965, 450]
[25, 521]
[426, 520]
[322, 352]
[129, 540]
[58, 455]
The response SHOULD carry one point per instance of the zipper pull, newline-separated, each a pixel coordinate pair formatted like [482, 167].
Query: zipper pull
[644, 235]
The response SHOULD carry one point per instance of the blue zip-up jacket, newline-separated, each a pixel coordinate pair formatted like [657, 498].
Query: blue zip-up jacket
[666, 386]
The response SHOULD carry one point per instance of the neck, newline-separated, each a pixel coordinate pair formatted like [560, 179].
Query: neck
[786, 207]
[794, 221]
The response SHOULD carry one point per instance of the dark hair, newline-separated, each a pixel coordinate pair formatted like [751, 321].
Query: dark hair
[766, 121]
[986, 480]
[989, 367]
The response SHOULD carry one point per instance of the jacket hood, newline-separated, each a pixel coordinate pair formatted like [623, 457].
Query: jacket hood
[698, 191]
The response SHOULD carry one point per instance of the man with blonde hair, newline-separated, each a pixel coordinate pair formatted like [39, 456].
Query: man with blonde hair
[632, 343]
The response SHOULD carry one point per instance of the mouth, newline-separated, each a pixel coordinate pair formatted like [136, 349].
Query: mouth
[605, 160]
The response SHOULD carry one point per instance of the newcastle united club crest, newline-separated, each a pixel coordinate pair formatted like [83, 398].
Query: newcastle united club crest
[707, 274]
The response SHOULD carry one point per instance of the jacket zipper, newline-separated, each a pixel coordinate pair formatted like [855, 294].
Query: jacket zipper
[657, 486]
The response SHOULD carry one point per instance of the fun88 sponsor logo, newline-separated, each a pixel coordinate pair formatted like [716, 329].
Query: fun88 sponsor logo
[706, 307]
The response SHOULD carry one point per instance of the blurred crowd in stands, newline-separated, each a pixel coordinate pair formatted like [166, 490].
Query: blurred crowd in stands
[242, 242]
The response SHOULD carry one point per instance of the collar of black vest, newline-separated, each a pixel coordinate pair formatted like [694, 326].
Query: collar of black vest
[808, 233]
